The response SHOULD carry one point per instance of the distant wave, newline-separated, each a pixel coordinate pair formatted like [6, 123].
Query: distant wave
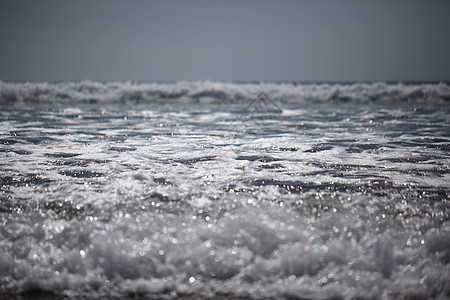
[34, 92]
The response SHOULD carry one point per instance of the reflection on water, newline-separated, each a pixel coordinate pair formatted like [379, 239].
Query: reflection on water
[200, 200]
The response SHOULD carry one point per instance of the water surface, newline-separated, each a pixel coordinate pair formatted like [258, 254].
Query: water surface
[216, 200]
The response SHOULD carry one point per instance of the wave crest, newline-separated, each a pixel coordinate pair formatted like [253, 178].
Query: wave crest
[222, 92]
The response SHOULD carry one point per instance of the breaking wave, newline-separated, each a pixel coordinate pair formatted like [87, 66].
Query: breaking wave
[33, 92]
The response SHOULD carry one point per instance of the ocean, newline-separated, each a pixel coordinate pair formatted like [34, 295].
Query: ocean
[232, 190]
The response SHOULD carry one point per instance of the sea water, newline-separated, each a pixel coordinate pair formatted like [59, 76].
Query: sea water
[207, 189]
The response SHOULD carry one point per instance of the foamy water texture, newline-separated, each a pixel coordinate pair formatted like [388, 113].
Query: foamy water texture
[220, 92]
[201, 200]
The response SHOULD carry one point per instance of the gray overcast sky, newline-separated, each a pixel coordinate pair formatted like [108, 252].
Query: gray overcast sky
[224, 40]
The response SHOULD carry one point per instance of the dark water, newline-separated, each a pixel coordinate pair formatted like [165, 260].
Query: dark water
[204, 200]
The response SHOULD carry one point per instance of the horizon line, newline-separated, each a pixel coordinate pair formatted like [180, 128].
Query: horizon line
[295, 81]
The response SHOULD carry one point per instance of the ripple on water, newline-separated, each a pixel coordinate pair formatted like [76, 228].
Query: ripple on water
[179, 201]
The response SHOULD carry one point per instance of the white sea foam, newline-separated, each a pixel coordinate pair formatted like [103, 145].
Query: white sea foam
[207, 200]
[224, 92]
